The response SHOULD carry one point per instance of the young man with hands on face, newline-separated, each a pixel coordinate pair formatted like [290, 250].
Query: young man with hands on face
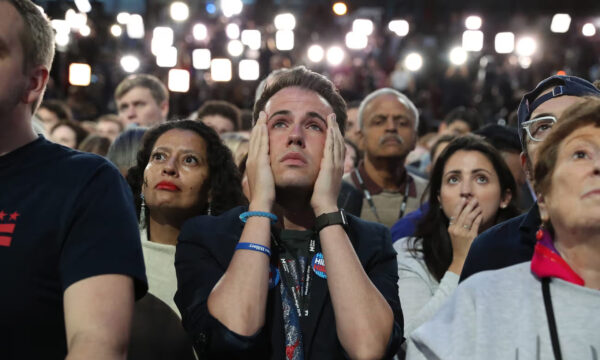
[291, 276]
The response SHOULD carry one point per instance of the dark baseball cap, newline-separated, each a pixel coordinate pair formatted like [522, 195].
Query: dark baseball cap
[563, 85]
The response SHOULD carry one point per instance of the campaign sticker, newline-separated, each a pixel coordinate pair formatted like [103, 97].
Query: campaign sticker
[318, 265]
[273, 276]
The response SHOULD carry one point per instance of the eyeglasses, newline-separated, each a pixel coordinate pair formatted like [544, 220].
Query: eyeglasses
[538, 128]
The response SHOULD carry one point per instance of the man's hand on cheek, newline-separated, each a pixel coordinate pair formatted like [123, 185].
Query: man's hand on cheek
[260, 175]
[329, 180]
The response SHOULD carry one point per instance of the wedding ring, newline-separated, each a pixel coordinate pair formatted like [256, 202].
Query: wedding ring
[467, 227]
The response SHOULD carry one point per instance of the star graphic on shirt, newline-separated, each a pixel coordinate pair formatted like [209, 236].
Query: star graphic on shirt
[2, 215]
[14, 216]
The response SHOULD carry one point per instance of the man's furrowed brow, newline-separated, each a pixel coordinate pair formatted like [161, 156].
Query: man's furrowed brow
[280, 112]
[313, 114]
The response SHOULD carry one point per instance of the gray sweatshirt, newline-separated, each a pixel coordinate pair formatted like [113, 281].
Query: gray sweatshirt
[500, 315]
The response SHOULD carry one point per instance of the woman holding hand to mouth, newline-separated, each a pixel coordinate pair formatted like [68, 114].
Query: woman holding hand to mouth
[471, 189]
[182, 170]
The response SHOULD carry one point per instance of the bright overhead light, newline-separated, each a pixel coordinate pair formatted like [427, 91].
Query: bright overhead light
[235, 48]
[588, 29]
[116, 30]
[80, 74]
[285, 21]
[180, 11]
[200, 32]
[315, 53]
[399, 27]
[362, 26]
[356, 41]
[249, 70]
[524, 62]
[473, 22]
[201, 59]
[162, 38]
[231, 7]
[504, 42]
[167, 57]
[284, 40]
[340, 8]
[123, 18]
[62, 39]
[135, 26]
[252, 39]
[61, 26]
[75, 20]
[85, 31]
[220, 69]
[232, 31]
[472, 40]
[560, 23]
[130, 63]
[335, 55]
[83, 6]
[458, 56]
[179, 80]
[526, 46]
[413, 62]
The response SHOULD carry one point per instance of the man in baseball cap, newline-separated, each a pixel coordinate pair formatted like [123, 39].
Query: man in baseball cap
[512, 241]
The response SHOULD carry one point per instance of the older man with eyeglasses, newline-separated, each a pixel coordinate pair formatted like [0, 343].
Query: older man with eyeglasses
[512, 241]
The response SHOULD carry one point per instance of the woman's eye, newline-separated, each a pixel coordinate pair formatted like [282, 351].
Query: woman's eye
[452, 180]
[158, 156]
[190, 160]
[482, 180]
[580, 154]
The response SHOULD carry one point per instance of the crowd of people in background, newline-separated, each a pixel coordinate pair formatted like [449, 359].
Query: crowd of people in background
[142, 235]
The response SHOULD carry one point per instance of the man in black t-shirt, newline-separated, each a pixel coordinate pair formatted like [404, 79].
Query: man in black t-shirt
[70, 257]
[313, 285]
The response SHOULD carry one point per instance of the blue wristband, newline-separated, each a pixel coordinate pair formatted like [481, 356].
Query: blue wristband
[254, 247]
[245, 215]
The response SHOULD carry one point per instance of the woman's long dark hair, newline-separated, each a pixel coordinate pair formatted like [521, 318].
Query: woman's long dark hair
[432, 229]
[223, 175]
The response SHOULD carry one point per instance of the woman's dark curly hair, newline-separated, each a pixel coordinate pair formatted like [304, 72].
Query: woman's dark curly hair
[223, 176]
[432, 229]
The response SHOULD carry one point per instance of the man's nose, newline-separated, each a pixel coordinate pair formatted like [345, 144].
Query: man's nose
[296, 136]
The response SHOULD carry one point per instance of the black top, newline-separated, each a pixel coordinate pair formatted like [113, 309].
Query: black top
[508, 243]
[64, 216]
[205, 247]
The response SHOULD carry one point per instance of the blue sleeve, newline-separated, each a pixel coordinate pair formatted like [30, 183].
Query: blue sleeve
[102, 235]
[198, 271]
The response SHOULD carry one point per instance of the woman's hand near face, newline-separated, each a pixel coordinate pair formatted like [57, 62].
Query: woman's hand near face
[463, 228]
[258, 168]
[328, 183]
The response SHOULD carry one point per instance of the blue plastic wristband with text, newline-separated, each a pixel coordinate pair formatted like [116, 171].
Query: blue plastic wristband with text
[255, 247]
[245, 215]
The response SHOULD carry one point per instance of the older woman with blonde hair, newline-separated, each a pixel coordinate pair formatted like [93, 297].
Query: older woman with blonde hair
[546, 308]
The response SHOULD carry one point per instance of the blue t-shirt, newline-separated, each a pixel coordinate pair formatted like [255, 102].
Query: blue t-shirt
[64, 216]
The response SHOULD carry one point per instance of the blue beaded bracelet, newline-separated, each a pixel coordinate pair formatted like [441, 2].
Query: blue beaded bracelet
[255, 247]
[245, 215]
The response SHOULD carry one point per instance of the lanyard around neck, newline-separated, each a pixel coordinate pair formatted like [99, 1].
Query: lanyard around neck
[367, 194]
[301, 298]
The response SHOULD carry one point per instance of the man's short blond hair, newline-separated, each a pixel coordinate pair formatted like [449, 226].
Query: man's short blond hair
[152, 83]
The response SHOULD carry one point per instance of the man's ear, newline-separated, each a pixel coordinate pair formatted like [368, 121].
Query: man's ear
[526, 166]
[361, 140]
[164, 108]
[38, 78]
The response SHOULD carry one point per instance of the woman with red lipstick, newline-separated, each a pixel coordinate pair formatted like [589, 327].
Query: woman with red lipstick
[546, 308]
[470, 190]
[182, 170]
